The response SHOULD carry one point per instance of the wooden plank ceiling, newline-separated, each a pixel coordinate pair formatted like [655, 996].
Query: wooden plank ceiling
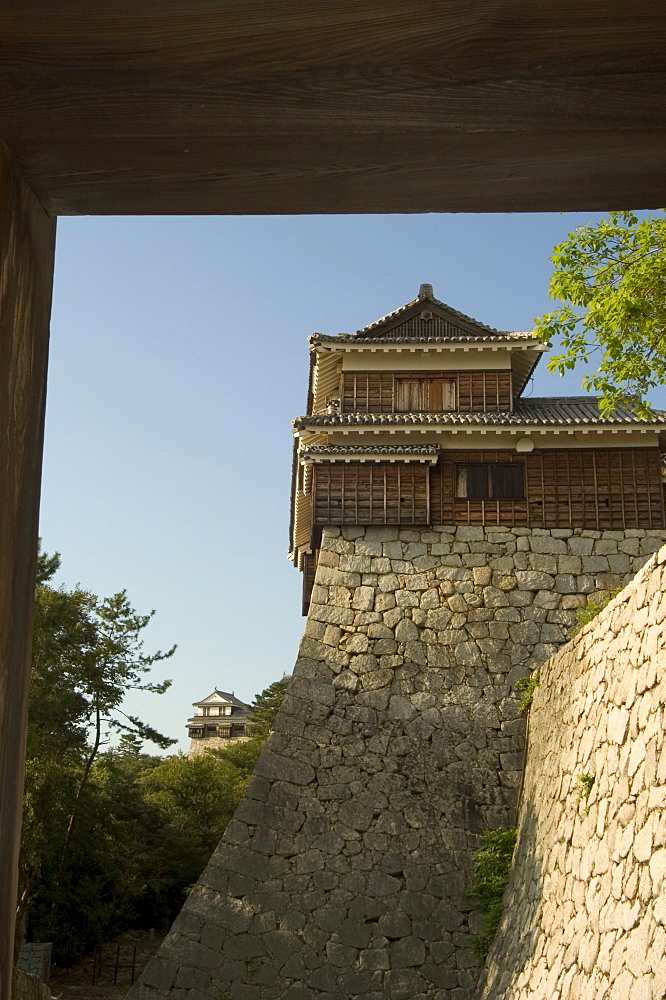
[289, 106]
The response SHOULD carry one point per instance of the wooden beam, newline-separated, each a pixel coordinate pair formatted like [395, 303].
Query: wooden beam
[296, 106]
[26, 277]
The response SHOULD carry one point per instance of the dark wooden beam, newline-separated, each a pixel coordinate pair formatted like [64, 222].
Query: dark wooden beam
[26, 276]
[281, 106]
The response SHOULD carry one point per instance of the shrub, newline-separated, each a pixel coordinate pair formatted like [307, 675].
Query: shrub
[585, 783]
[525, 688]
[587, 612]
[492, 866]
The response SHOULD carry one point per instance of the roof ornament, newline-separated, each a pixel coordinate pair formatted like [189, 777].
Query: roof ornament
[426, 292]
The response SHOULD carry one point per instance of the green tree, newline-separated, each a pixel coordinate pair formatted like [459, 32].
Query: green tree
[196, 798]
[198, 795]
[240, 758]
[87, 653]
[114, 838]
[612, 279]
[265, 707]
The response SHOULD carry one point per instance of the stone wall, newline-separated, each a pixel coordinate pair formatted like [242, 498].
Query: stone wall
[27, 987]
[344, 870]
[35, 958]
[201, 745]
[585, 910]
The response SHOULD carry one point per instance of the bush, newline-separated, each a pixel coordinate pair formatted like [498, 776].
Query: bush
[587, 612]
[492, 867]
[585, 785]
[525, 688]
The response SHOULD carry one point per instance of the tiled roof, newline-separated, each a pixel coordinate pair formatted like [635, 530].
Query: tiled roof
[451, 327]
[237, 715]
[424, 298]
[501, 337]
[583, 409]
[236, 702]
[371, 449]
[537, 411]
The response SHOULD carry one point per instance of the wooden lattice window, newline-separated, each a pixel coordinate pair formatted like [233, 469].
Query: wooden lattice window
[424, 395]
[486, 481]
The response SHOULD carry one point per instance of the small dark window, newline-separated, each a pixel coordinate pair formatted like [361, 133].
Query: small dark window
[472, 481]
[490, 482]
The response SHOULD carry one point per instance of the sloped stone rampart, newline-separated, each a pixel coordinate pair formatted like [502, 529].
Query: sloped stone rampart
[344, 870]
[585, 910]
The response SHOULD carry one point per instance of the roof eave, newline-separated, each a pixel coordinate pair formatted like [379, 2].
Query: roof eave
[471, 425]
[515, 341]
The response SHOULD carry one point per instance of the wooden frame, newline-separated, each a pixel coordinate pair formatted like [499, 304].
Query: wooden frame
[329, 106]
[26, 275]
[564, 488]
[194, 106]
[491, 490]
[371, 493]
[475, 391]
[595, 488]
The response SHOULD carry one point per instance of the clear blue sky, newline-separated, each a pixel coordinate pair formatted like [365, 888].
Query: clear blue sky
[178, 359]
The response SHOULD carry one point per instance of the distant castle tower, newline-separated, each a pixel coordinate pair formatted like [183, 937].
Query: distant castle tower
[218, 720]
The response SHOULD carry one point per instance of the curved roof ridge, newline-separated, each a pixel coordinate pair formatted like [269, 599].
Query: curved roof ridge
[228, 696]
[495, 335]
[425, 295]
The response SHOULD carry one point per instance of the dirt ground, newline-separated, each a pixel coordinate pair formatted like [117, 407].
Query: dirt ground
[77, 983]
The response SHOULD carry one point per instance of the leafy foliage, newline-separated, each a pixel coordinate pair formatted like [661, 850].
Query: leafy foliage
[585, 785]
[525, 688]
[492, 867]
[612, 279]
[265, 707]
[238, 760]
[87, 653]
[588, 612]
[113, 838]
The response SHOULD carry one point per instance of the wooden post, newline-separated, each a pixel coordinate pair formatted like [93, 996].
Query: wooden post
[27, 236]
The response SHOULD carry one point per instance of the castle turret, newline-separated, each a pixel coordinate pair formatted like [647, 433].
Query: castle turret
[421, 418]
[448, 526]
[218, 720]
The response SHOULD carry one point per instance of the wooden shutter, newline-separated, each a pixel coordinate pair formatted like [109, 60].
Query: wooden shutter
[435, 399]
[427, 395]
[448, 394]
[507, 481]
[411, 395]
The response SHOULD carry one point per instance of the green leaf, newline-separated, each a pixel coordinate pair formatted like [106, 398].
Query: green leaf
[611, 279]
